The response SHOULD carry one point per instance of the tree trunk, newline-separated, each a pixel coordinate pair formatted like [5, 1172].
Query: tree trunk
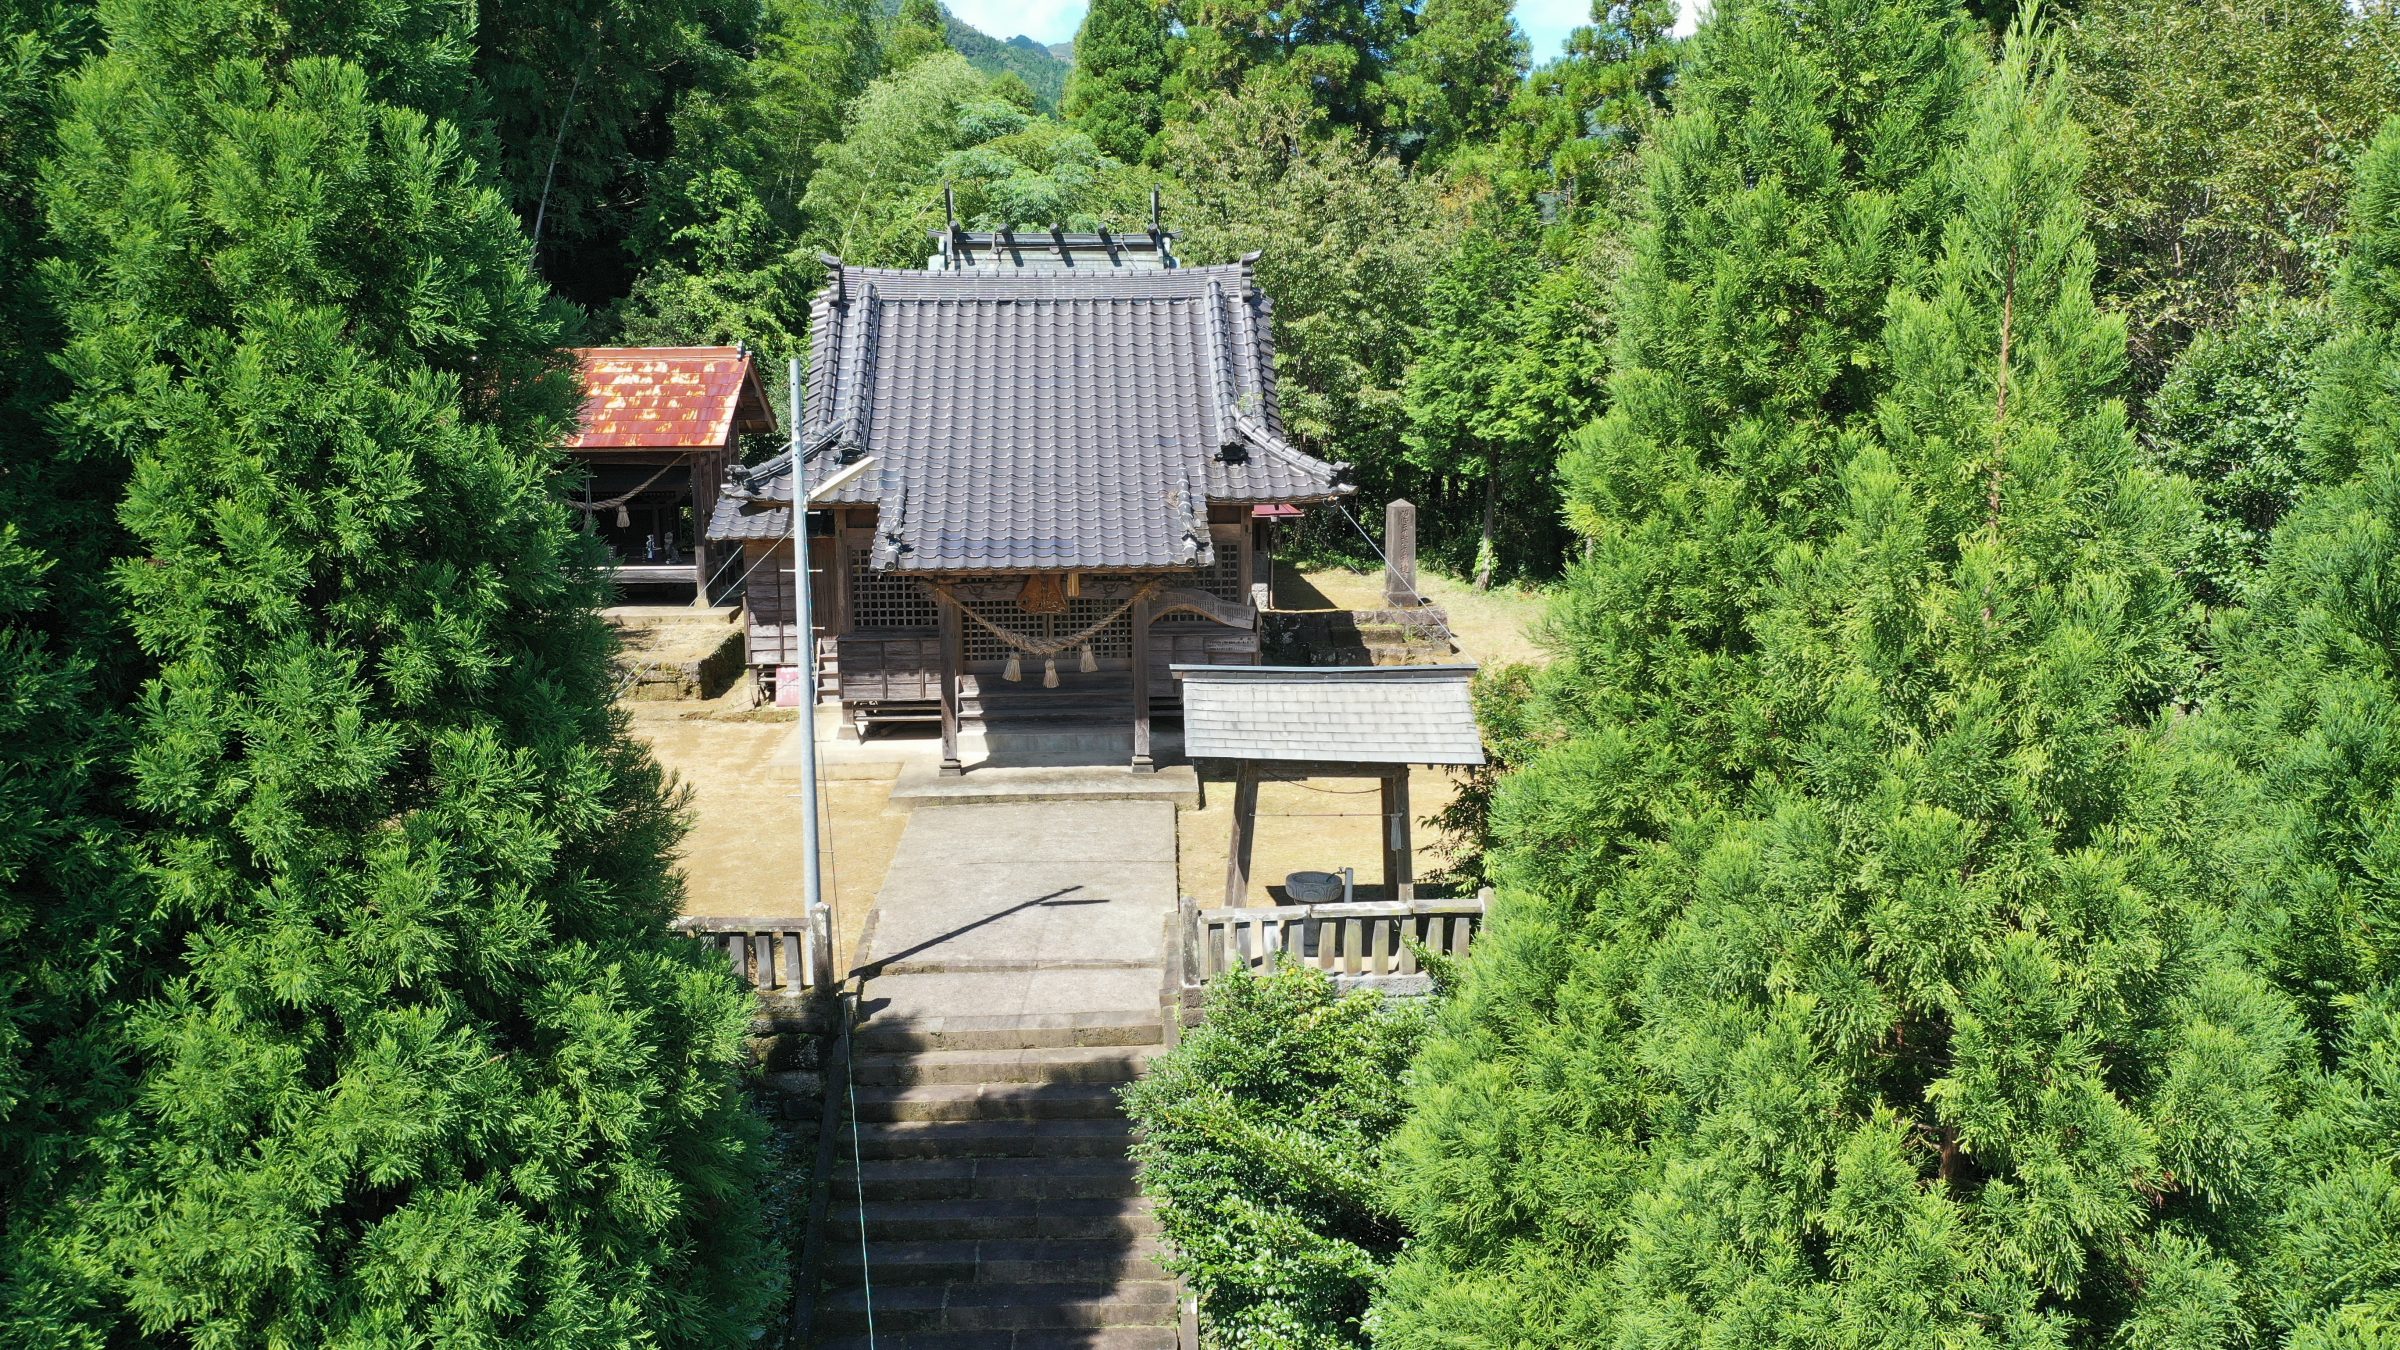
[1484, 552]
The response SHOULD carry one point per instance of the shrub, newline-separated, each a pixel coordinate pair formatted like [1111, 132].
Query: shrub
[1262, 1141]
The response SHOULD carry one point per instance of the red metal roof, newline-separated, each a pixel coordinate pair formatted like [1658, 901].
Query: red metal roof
[668, 397]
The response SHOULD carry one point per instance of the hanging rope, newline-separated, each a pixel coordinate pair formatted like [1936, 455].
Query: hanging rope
[588, 506]
[1049, 647]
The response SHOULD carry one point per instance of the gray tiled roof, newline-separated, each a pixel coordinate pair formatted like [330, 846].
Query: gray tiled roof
[1336, 714]
[1015, 420]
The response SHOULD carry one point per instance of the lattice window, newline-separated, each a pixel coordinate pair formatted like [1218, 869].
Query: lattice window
[1222, 579]
[880, 600]
[1114, 642]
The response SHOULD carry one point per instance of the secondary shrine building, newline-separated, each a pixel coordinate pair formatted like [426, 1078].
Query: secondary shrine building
[1044, 469]
[659, 428]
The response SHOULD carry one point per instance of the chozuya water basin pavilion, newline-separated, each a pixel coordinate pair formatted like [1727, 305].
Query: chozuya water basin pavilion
[1038, 472]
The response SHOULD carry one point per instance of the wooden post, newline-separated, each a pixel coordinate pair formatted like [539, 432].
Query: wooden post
[839, 624]
[1141, 688]
[1398, 855]
[1245, 826]
[953, 638]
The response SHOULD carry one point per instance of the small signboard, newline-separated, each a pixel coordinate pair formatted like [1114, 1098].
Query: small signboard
[787, 686]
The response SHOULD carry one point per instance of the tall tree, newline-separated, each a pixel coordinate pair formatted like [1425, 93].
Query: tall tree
[921, 29]
[1936, 1035]
[878, 196]
[1114, 94]
[427, 1065]
[579, 96]
[2222, 133]
[1326, 55]
[72, 934]
[2314, 703]
[1795, 185]
[1457, 74]
[720, 244]
[1784, 200]
[1345, 237]
[1509, 362]
[1571, 132]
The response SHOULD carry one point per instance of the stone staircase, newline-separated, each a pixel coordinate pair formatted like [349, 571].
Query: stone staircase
[999, 1204]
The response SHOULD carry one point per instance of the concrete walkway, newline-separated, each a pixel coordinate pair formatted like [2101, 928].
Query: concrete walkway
[1023, 909]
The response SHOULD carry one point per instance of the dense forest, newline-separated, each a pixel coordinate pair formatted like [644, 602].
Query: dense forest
[1948, 869]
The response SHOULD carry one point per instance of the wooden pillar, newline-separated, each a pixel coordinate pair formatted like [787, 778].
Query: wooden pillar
[700, 587]
[1141, 688]
[1398, 853]
[1245, 828]
[953, 639]
[838, 625]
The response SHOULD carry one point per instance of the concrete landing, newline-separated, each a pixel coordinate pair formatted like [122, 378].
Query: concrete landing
[921, 784]
[1015, 910]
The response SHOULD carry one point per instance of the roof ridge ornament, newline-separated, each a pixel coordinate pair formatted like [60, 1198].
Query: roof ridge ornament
[1229, 434]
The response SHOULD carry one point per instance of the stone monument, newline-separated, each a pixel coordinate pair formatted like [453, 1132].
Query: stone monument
[1400, 556]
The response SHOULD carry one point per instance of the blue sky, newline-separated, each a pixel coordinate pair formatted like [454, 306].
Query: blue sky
[1545, 21]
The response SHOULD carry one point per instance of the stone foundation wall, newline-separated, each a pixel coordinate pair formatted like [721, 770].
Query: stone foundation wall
[1356, 637]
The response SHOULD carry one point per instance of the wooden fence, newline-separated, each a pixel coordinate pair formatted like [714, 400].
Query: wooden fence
[773, 956]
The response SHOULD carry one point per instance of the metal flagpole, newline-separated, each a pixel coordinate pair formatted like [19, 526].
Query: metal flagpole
[807, 653]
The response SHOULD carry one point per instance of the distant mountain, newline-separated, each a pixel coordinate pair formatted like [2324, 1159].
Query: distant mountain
[1044, 68]
[1029, 60]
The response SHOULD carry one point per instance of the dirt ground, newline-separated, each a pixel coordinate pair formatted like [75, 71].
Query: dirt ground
[1491, 627]
[1313, 824]
[670, 642]
[743, 854]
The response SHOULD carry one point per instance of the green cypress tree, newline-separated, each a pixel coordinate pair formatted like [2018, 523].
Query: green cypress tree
[2314, 701]
[1948, 1038]
[1569, 137]
[428, 1065]
[1783, 203]
[1457, 73]
[71, 930]
[1114, 94]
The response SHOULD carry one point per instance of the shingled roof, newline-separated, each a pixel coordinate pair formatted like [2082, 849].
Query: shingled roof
[1330, 714]
[639, 398]
[1022, 420]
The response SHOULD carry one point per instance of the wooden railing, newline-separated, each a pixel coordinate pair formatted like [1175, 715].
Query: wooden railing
[773, 956]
